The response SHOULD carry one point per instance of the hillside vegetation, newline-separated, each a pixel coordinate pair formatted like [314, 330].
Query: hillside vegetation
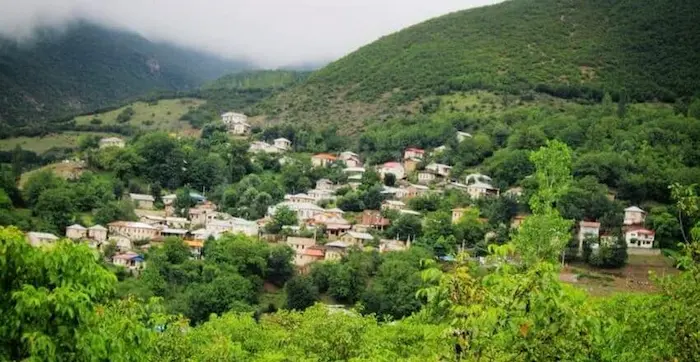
[571, 49]
[86, 67]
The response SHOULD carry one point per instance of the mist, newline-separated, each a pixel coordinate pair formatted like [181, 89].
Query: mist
[271, 33]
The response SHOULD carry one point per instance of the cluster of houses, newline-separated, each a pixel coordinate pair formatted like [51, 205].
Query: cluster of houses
[635, 234]
[414, 177]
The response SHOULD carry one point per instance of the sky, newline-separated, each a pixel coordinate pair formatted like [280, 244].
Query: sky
[272, 33]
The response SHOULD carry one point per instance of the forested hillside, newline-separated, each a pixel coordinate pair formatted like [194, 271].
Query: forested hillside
[86, 67]
[572, 49]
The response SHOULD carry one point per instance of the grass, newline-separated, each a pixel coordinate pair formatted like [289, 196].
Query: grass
[163, 115]
[43, 144]
[635, 277]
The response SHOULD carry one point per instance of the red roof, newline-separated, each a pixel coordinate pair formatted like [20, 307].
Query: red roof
[314, 252]
[642, 230]
[590, 224]
[325, 156]
[392, 164]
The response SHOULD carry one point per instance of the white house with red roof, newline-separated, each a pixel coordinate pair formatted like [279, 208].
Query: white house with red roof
[639, 237]
[413, 152]
[394, 168]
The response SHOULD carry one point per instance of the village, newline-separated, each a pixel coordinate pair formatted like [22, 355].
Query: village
[320, 234]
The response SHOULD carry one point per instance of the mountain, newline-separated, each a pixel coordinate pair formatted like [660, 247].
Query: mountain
[85, 66]
[644, 50]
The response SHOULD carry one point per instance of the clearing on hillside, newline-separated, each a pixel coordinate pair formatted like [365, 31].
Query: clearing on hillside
[163, 115]
[45, 143]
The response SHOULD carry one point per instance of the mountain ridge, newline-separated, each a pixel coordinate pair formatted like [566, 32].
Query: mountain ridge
[87, 66]
[571, 49]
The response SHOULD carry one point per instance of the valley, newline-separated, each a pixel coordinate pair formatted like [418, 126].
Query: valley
[514, 182]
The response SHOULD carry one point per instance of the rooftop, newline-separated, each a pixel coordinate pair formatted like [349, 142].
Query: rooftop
[337, 244]
[314, 252]
[358, 235]
[40, 235]
[354, 169]
[633, 209]
[325, 156]
[77, 227]
[131, 224]
[97, 227]
[142, 197]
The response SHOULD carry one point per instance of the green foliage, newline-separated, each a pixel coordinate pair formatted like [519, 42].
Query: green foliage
[634, 51]
[125, 115]
[301, 293]
[115, 210]
[606, 255]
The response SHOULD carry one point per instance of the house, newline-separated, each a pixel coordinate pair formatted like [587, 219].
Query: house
[323, 159]
[587, 229]
[410, 191]
[476, 177]
[97, 233]
[356, 238]
[426, 176]
[639, 237]
[317, 195]
[335, 212]
[39, 239]
[260, 146]
[411, 164]
[479, 189]
[458, 213]
[634, 216]
[142, 201]
[152, 220]
[299, 246]
[335, 250]
[386, 245]
[299, 198]
[334, 224]
[393, 168]
[202, 213]
[240, 129]
[304, 210]
[129, 260]
[196, 247]
[177, 222]
[393, 205]
[122, 242]
[324, 184]
[231, 118]
[439, 169]
[133, 230]
[112, 142]
[313, 254]
[351, 159]
[461, 136]
[374, 219]
[76, 232]
[234, 226]
[282, 144]
[413, 152]
[180, 233]
[352, 171]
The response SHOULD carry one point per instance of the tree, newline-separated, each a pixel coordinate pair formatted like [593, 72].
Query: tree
[125, 115]
[17, 162]
[122, 210]
[404, 227]
[207, 172]
[283, 216]
[301, 293]
[694, 109]
[279, 264]
[49, 298]
[39, 182]
[176, 252]
[183, 202]
[543, 235]
[163, 159]
[222, 294]
[606, 254]
[56, 208]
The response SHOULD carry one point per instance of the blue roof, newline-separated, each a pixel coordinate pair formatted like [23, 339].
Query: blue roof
[447, 258]
[197, 197]
[137, 258]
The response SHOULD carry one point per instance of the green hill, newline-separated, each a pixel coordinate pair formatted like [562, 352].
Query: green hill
[647, 50]
[87, 67]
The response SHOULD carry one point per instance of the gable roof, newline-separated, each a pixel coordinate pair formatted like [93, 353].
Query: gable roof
[359, 235]
[633, 209]
[97, 227]
[324, 156]
[77, 227]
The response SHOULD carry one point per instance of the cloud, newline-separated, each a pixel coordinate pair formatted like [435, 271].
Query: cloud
[271, 32]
